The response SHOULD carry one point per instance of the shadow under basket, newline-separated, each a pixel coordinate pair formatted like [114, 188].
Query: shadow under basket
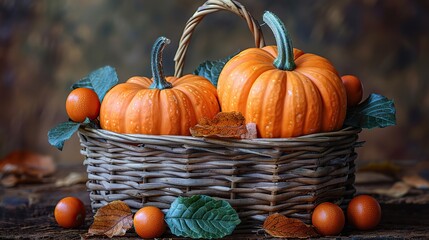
[257, 177]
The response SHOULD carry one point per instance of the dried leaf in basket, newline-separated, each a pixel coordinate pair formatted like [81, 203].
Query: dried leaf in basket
[223, 125]
[114, 219]
[278, 225]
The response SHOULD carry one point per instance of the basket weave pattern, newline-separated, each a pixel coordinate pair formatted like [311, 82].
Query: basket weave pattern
[261, 176]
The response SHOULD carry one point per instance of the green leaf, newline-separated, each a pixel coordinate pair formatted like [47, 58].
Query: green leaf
[100, 80]
[375, 111]
[83, 83]
[201, 216]
[62, 132]
[211, 69]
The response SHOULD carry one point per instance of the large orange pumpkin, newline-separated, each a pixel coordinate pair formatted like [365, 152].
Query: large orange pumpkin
[285, 91]
[164, 105]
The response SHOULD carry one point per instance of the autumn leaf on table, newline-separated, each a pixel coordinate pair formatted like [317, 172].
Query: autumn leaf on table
[114, 219]
[25, 167]
[280, 226]
[223, 125]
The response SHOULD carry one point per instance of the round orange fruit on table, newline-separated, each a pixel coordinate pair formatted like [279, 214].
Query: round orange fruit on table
[328, 219]
[70, 212]
[149, 222]
[364, 212]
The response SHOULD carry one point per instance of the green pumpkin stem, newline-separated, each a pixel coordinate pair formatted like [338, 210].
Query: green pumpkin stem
[285, 57]
[159, 81]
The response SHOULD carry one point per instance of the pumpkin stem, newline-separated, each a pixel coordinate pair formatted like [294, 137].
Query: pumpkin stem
[285, 57]
[159, 80]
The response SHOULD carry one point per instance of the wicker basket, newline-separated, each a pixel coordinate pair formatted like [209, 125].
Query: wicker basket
[258, 177]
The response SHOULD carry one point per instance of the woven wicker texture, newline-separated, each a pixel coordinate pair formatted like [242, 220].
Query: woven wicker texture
[261, 176]
[208, 7]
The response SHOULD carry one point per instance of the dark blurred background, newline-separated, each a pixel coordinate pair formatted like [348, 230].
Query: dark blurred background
[46, 45]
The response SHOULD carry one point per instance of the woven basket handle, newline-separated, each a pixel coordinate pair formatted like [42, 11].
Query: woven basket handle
[208, 7]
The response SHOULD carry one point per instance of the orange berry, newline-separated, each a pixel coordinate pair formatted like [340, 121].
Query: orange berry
[328, 219]
[354, 89]
[149, 222]
[82, 103]
[70, 212]
[364, 212]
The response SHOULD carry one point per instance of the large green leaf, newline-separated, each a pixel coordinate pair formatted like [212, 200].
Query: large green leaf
[375, 111]
[62, 132]
[101, 80]
[201, 216]
[211, 69]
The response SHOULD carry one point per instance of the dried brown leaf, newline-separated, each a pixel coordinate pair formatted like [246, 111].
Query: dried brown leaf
[114, 219]
[25, 167]
[416, 181]
[399, 189]
[225, 119]
[223, 125]
[278, 225]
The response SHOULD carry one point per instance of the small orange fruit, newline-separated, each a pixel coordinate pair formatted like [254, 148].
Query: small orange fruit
[70, 212]
[149, 222]
[328, 219]
[364, 212]
[82, 103]
[354, 89]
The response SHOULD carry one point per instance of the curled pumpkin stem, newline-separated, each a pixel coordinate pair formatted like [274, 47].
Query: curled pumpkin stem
[159, 81]
[285, 57]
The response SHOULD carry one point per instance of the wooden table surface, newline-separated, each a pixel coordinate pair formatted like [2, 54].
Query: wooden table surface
[26, 212]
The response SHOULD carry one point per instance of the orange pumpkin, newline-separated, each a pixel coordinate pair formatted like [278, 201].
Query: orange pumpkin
[162, 106]
[285, 91]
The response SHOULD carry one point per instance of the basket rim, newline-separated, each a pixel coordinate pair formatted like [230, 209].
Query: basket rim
[315, 137]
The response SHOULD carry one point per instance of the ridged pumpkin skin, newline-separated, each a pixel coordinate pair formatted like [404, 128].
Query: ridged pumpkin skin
[133, 107]
[308, 98]
[138, 106]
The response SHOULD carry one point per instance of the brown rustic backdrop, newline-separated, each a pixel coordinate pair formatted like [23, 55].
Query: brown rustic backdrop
[46, 45]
